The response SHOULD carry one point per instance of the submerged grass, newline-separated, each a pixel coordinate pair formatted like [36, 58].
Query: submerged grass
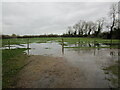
[86, 47]
[11, 65]
[67, 41]
[26, 40]
[113, 69]
[70, 40]
[86, 40]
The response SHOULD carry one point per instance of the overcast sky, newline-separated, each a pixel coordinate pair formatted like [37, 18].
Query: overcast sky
[25, 18]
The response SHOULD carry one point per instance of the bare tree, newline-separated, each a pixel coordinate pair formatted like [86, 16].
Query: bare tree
[100, 23]
[76, 28]
[80, 27]
[94, 28]
[113, 15]
[90, 27]
[85, 30]
[70, 32]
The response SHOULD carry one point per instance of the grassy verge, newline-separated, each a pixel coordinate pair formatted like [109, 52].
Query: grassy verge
[12, 62]
[113, 69]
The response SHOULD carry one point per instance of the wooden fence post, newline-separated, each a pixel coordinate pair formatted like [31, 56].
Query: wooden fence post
[62, 46]
[62, 42]
[94, 47]
[94, 43]
[111, 43]
[78, 40]
[9, 44]
[28, 44]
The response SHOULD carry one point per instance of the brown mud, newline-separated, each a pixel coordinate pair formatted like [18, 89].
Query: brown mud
[50, 72]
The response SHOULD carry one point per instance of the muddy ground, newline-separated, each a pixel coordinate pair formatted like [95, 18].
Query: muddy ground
[50, 72]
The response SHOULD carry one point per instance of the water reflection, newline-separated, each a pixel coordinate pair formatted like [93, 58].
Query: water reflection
[63, 50]
[111, 75]
[62, 46]
[112, 53]
[28, 50]
[111, 71]
[93, 45]
[90, 61]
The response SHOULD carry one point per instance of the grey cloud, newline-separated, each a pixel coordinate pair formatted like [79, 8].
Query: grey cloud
[39, 18]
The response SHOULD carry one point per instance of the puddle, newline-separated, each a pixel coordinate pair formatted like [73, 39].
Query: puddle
[14, 46]
[90, 61]
[53, 49]
[91, 44]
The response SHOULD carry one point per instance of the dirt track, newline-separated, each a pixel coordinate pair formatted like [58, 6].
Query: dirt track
[49, 72]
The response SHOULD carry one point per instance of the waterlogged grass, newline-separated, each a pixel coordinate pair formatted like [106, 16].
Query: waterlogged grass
[86, 40]
[47, 48]
[67, 41]
[13, 41]
[84, 47]
[26, 40]
[113, 69]
[11, 65]
[64, 44]
[87, 47]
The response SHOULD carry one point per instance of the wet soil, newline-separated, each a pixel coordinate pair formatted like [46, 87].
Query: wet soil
[50, 72]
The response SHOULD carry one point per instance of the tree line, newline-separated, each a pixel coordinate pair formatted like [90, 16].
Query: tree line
[88, 28]
[85, 28]
[95, 29]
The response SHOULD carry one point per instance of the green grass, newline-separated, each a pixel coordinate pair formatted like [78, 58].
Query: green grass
[92, 47]
[25, 40]
[114, 69]
[11, 65]
[68, 40]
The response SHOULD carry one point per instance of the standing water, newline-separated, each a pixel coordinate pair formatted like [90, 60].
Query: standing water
[91, 62]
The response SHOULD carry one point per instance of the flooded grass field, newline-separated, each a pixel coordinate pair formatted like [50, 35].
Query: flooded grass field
[61, 63]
